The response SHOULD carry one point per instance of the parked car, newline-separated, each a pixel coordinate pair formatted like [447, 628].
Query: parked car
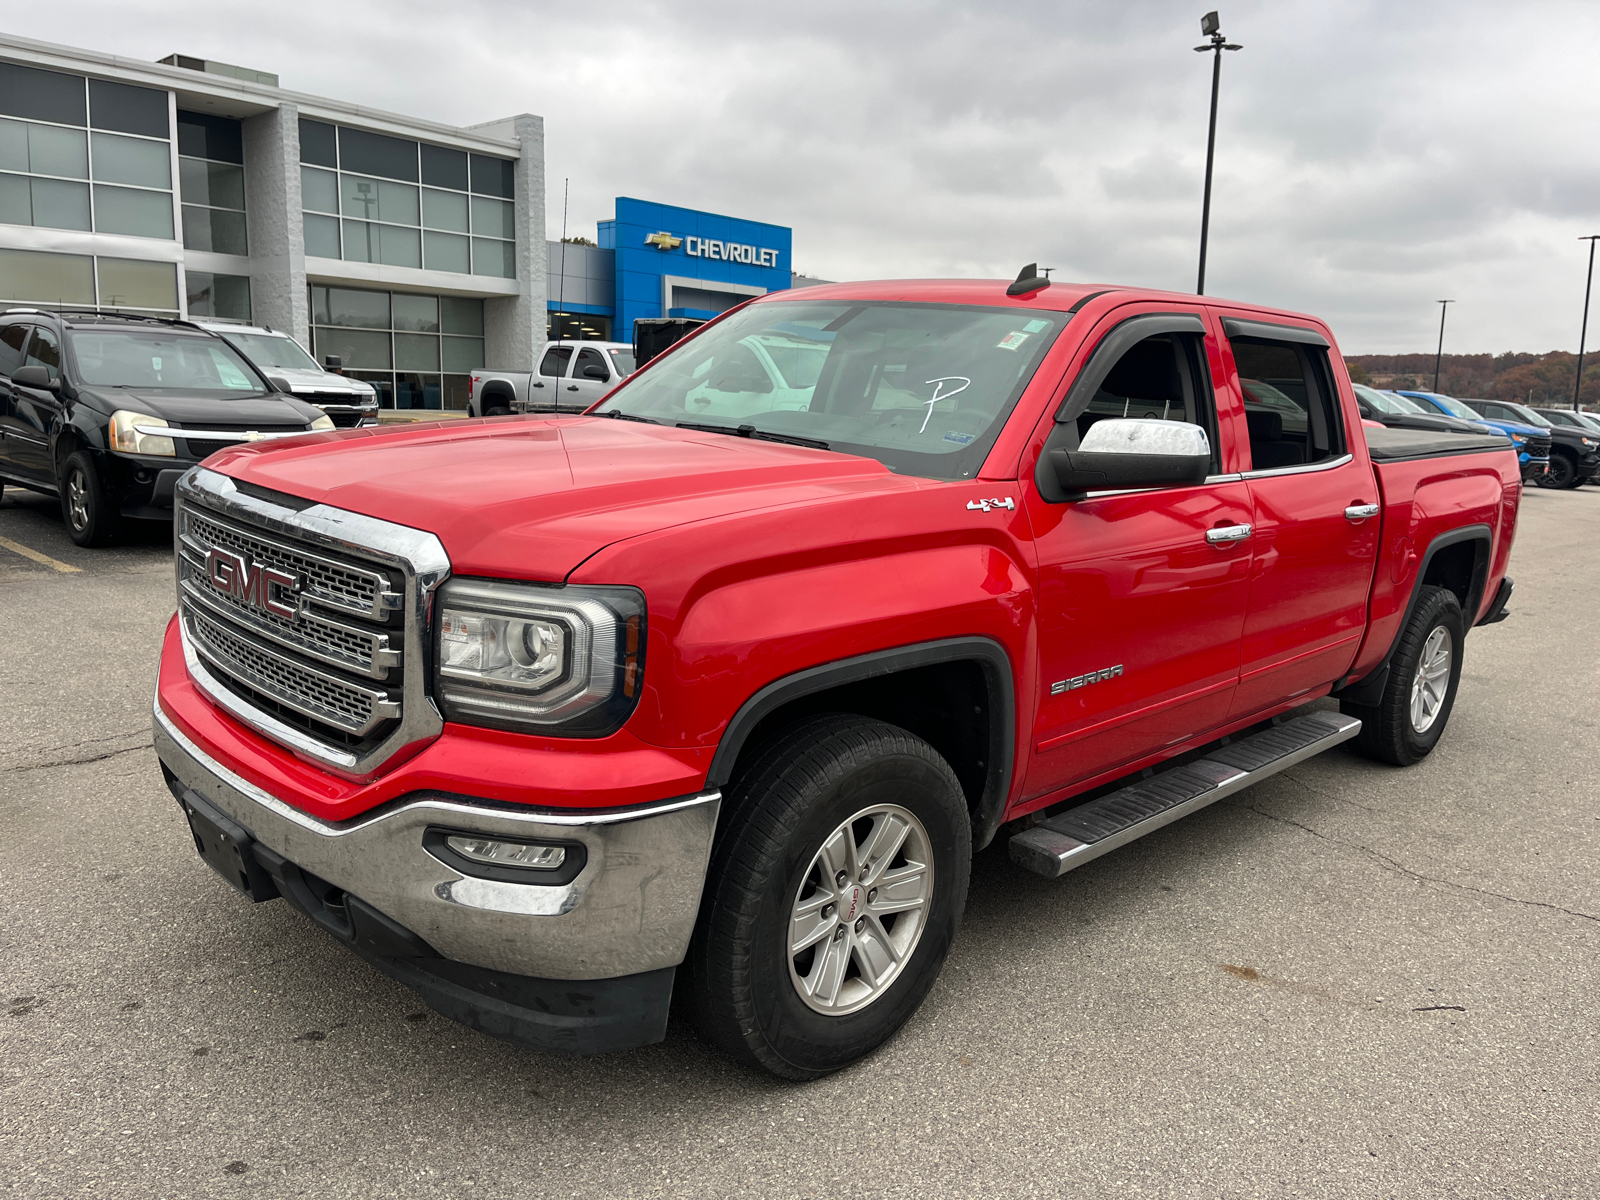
[1585, 421]
[708, 695]
[346, 402]
[1532, 441]
[571, 377]
[1395, 411]
[1573, 454]
[106, 411]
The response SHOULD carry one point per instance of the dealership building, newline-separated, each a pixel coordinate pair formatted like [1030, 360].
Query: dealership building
[413, 251]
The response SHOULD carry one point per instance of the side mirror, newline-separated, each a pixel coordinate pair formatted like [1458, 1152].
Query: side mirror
[35, 377]
[593, 372]
[1134, 453]
[281, 384]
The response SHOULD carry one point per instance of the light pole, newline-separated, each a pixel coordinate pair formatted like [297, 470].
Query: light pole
[1439, 357]
[1209, 26]
[1583, 331]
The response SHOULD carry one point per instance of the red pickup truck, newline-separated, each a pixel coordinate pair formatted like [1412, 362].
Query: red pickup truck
[716, 690]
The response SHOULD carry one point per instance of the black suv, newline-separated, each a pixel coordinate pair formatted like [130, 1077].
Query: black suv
[1574, 453]
[107, 410]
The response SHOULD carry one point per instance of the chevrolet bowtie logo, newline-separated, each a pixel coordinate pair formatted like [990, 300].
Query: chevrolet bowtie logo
[663, 241]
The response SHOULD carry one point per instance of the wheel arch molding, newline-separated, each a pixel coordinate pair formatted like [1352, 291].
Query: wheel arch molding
[983, 759]
[1480, 538]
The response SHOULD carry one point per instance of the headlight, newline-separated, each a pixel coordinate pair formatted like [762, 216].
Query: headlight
[323, 422]
[539, 659]
[126, 437]
[1518, 439]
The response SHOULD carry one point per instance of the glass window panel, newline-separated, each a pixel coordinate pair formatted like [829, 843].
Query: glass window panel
[128, 109]
[492, 176]
[322, 236]
[319, 190]
[358, 307]
[377, 154]
[123, 210]
[220, 230]
[399, 247]
[397, 203]
[205, 136]
[132, 283]
[42, 95]
[457, 389]
[494, 258]
[445, 252]
[419, 313]
[319, 143]
[360, 242]
[444, 210]
[417, 391]
[16, 201]
[11, 339]
[319, 306]
[54, 151]
[62, 205]
[13, 146]
[220, 185]
[444, 168]
[463, 354]
[35, 277]
[358, 348]
[461, 315]
[359, 196]
[493, 218]
[416, 352]
[132, 160]
[217, 295]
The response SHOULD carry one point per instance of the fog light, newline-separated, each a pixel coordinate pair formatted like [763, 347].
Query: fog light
[495, 853]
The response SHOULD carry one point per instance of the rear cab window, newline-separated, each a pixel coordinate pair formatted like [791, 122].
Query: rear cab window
[555, 361]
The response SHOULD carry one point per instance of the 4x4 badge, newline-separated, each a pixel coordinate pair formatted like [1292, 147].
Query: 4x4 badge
[1008, 504]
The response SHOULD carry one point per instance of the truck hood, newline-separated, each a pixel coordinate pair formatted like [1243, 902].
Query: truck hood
[321, 382]
[531, 499]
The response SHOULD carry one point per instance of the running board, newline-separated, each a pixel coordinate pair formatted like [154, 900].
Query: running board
[1080, 835]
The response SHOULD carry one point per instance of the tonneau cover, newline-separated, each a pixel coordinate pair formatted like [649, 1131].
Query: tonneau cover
[1394, 445]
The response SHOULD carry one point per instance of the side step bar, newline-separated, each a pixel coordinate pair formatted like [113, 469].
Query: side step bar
[1083, 834]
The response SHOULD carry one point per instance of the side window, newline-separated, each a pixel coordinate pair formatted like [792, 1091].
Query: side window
[43, 352]
[1499, 412]
[1162, 378]
[1289, 403]
[11, 339]
[555, 361]
[590, 357]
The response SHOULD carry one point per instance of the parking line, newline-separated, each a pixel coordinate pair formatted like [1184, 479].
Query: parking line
[44, 560]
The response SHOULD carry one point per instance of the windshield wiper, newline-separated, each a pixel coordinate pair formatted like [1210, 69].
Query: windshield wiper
[622, 416]
[760, 435]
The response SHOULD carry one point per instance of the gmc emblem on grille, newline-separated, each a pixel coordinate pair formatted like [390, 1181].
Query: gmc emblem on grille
[255, 584]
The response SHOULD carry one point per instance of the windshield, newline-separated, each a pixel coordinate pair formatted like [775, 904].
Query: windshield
[268, 350]
[1589, 419]
[1455, 408]
[922, 388]
[622, 360]
[1528, 416]
[1387, 402]
[181, 362]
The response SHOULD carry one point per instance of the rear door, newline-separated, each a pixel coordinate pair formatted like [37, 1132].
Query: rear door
[1142, 594]
[13, 340]
[544, 389]
[36, 411]
[1316, 525]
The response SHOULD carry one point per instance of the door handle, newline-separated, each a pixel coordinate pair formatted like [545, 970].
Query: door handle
[1224, 534]
[572, 387]
[1360, 512]
[538, 384]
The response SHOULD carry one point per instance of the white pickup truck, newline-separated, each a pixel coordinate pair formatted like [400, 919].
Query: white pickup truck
[571, 377]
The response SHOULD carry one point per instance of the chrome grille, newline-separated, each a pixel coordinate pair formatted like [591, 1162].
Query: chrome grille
[328, 675]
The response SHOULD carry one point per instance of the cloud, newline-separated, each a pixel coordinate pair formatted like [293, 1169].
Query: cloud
[1372, 158]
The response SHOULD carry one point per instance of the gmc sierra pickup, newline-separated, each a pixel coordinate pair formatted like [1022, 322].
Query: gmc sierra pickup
[717, 689]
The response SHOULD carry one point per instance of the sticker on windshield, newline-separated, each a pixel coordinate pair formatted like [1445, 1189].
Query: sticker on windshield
[1012, 341]
[1036, 326]
[960, 439]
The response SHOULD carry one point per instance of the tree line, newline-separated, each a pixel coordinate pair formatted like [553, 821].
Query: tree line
[1544, 379]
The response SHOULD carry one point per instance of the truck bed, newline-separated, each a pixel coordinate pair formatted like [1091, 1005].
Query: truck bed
[1401, 445]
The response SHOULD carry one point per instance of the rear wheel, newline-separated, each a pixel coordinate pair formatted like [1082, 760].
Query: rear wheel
[833, 895]
[1407, 722]
[91, 516]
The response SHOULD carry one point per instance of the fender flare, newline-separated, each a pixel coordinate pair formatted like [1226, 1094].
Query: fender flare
[987, 653]
[1369, 688]
[495, 388]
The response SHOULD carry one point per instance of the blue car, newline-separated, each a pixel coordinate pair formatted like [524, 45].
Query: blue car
[1531, 441]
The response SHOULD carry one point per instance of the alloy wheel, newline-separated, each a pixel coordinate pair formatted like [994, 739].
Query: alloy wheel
[860, 910]
[1431, 683]
[78, 500]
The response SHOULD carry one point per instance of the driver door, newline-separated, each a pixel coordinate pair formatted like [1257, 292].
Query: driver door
[1142, 593]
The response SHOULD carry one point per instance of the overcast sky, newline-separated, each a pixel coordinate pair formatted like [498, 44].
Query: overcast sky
[1372, 158]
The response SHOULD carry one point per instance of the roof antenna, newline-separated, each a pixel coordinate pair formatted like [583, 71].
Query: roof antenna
[1029, 280]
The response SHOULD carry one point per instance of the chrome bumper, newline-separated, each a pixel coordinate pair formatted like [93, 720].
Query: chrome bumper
[630, 910]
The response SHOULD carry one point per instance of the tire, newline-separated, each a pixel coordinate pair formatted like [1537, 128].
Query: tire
[500, 411]
[791, 813]
[1561, 474]
[1389, 729]
[91, 517]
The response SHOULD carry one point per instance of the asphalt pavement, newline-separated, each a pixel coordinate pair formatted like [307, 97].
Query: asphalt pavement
[1349, 981]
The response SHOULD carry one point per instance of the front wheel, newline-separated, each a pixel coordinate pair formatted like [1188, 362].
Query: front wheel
[834, 893]
[91, 516]
[1407, 722]
[1562, 473]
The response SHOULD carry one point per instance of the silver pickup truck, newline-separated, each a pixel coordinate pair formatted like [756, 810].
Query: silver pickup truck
[571, 377]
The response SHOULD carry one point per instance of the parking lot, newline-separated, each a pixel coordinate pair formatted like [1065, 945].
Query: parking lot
[1350, 981]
